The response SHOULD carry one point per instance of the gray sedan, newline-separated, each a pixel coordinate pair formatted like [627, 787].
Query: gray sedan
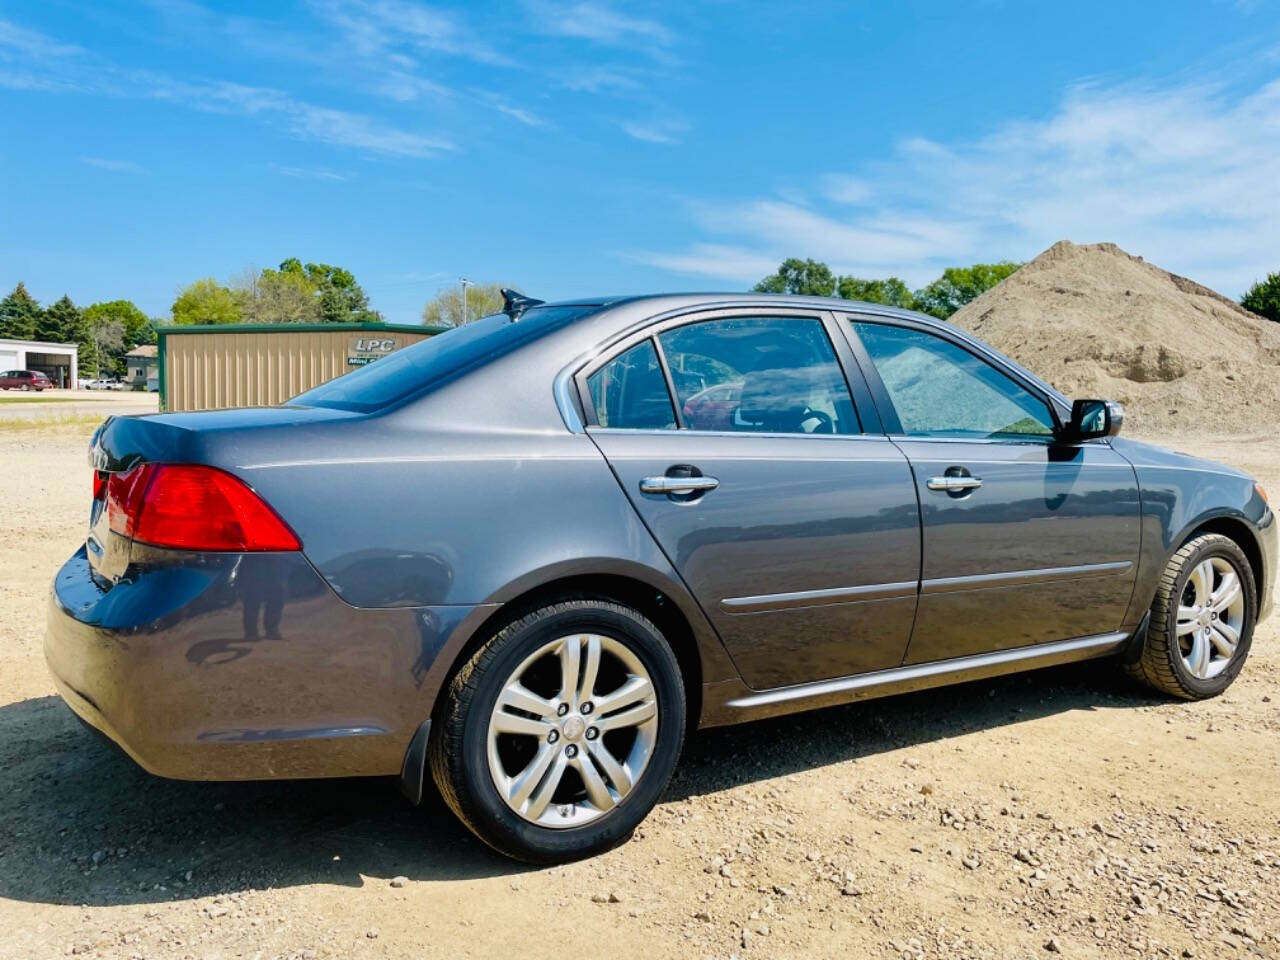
[523, 558]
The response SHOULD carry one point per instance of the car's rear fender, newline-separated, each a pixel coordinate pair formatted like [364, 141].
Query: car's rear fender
[479, 519]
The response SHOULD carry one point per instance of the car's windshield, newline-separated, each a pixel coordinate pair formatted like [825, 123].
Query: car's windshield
[442, 357]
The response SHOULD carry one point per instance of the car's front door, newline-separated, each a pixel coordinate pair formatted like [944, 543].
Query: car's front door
[797, 531]
[1026, 540]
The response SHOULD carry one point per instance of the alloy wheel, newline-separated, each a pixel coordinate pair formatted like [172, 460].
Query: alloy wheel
[572, 731]
[1210, 617]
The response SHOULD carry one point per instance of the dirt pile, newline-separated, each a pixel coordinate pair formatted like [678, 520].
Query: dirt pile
[1096, 321]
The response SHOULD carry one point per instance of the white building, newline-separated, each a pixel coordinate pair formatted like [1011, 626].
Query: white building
[57, 360]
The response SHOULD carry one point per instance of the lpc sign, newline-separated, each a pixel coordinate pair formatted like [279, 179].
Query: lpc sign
[365, 350]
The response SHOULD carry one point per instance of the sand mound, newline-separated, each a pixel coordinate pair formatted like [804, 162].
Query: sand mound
[1098, 322]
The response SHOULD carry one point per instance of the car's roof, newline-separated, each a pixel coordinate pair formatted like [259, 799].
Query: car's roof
[738, 297]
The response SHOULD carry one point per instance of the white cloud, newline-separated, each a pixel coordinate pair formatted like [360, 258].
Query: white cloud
[372, 27]
[15, 39]
[309, 173]
[589, 20]
[585, 79]
[115, 166]
[46, 65]
[527, 117]
[660, 130]
[404, 86]
[719, 262]
[39, 62]
[1183, 175]
[356, 130]
[841, 188]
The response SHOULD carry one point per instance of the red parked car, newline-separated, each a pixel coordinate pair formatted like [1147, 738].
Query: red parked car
[714, 407]
[24, 380]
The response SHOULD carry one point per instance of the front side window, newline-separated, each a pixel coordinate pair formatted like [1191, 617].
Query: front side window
[939, 389]
[758, 374]
[630, 392]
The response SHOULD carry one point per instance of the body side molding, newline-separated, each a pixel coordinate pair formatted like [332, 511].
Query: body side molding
[743, 703]
[1016, 578]
[816, 598]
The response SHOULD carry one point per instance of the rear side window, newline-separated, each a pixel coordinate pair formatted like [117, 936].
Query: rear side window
[758, 374]
[630, 392]
[443, 357]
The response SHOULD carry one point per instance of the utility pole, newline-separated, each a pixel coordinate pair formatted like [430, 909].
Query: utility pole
[465, 283]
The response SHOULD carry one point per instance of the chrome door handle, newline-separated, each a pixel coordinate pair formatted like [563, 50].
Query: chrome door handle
[677, 484]
[951, 484]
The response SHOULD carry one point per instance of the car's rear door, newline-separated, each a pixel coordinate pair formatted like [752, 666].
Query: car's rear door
[1026, 540]
[794, 523]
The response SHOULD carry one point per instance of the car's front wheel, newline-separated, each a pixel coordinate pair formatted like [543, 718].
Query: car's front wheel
[559, 734]
[1202, 620]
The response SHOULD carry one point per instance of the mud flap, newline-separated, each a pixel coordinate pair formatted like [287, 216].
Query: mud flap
[1131, 652]
[413, 773]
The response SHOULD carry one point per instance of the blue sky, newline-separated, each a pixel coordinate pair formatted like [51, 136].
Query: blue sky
[591, 147]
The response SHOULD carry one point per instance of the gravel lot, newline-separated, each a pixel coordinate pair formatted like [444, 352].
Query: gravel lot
[1064, 812]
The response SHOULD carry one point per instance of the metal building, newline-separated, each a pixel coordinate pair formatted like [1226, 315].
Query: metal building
[251, 365]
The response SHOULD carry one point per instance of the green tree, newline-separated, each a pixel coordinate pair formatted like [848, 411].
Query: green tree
[64, 322]
[18, 315]
[804, 277]
[340, 298]
[959, 285]
[107, 339]
[1263, 298]
[207, 301]
[445, 309]
[279, 296]
[117, 326]
[890, 291]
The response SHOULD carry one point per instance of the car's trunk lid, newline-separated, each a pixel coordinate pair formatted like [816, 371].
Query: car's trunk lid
[222, 438]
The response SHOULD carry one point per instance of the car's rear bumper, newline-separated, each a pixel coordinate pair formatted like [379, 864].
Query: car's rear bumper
[232, 667]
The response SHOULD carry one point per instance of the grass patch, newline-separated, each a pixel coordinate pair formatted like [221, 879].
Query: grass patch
[26, 424]
[36, 398]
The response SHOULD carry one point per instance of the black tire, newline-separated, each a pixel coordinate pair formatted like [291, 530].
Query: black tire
[1161, 665]
[459, 736]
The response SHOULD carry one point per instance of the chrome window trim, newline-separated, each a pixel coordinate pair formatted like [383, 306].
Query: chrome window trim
[740, 434]
[565, 402]
[577, 373]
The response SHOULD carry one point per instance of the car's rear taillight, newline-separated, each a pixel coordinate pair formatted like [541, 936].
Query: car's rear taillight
[193, 507]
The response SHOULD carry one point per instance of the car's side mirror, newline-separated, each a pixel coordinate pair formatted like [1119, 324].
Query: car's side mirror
[1091, 419]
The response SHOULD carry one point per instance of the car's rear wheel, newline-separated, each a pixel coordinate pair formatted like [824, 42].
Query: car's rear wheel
[1202, 620]
[558, 735]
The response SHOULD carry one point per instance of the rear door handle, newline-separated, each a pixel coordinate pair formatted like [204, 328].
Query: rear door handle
[952, 484]
[678, 484]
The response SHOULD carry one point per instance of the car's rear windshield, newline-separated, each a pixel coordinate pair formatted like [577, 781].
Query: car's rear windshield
[430, 362]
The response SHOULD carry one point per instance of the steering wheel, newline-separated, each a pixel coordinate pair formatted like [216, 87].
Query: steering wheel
[825, 423]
